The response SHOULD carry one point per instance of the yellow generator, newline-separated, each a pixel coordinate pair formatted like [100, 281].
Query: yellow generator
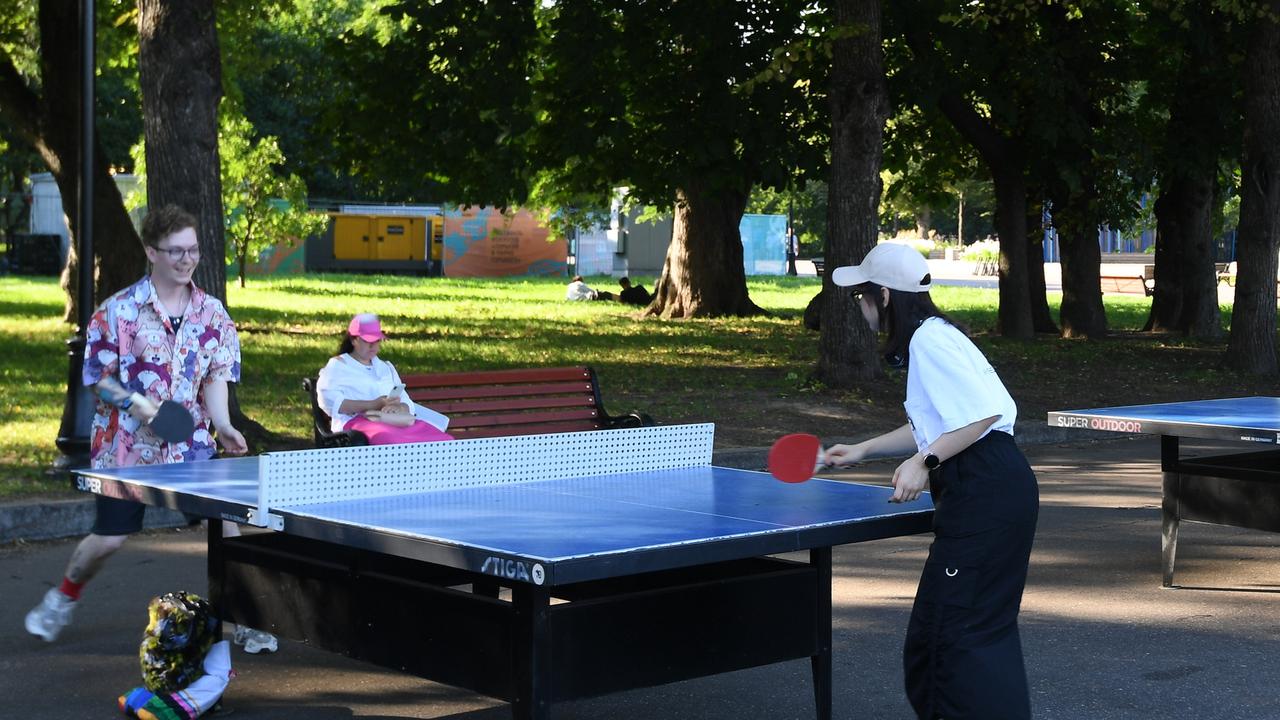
[379, 243]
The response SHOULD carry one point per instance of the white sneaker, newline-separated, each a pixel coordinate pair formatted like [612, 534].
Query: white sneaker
[52, 614]
[254, 641]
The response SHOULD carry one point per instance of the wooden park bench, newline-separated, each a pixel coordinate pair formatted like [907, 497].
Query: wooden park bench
[1227, 272]
[489, 403]
[1128, 275]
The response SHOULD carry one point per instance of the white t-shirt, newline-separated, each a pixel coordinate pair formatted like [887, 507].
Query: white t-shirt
[345, 378]
[950, 385]
[578, 290]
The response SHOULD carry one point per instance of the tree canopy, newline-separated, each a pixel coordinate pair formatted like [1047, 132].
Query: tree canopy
[1107, 112]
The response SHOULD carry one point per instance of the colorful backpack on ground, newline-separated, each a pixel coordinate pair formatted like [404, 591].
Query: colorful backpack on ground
[184, 671]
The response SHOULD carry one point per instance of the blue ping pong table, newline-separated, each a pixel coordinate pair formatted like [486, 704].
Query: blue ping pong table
[1238, 489]
[534, 569]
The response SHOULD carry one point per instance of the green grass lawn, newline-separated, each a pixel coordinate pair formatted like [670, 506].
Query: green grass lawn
[726, 370]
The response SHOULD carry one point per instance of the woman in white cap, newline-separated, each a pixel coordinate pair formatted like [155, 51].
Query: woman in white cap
[362, 392]
[962, 657]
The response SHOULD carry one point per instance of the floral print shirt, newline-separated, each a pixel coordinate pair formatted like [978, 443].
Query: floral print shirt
[132, 338]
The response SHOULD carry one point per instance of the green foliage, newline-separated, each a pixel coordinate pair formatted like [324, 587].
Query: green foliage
[553, 105]
[20, 37]
[436, 102]
[983, 251]
[117, 96]
[926, 162]
[654, 95]
[263, 206]
[1056, 79]
[278, 66]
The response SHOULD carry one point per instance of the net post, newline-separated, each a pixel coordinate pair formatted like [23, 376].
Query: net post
[261, 515]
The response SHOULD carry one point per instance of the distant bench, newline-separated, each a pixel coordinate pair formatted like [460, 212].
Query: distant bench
[1127, 273]
[489, 403]
[1128, 276]
[1227, 272]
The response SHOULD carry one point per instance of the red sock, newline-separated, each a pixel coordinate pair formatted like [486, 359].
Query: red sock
[71, 589]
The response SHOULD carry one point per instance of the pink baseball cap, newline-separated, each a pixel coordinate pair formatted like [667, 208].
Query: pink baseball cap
[366, 327]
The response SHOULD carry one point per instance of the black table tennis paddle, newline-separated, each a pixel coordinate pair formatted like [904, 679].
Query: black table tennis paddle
[170, 421]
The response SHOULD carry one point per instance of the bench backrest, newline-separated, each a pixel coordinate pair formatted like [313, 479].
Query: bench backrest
[490, 403]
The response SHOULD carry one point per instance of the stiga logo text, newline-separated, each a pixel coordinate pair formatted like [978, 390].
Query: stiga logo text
[513, 570]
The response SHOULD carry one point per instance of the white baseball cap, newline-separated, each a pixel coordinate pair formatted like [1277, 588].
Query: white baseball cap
[892, 265]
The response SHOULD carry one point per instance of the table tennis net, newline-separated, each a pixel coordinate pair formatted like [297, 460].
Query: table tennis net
[335, 474]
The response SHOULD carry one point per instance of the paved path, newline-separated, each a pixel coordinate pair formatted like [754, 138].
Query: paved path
[959, 273]
[1103, 640]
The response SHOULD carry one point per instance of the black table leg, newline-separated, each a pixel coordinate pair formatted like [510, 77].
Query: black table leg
[215, 566]
[820, 559]
[531, 650]
[1169, 507]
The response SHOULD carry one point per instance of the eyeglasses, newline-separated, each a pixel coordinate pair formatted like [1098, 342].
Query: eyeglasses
[176, 254]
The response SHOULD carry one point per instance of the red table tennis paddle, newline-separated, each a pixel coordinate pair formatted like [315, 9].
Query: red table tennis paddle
[170, 421]
[795, 457]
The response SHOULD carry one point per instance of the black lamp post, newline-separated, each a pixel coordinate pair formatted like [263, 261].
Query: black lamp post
[73, 434]
[791, 239]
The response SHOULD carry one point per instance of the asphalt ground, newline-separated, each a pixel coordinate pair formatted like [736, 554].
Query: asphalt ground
[1102, 639]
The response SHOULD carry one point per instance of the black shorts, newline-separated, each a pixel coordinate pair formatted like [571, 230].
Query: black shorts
[117, 517]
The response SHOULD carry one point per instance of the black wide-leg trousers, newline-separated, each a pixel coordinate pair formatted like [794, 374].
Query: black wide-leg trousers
[963, 657]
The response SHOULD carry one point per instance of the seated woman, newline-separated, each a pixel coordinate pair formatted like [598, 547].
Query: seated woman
[362, 392]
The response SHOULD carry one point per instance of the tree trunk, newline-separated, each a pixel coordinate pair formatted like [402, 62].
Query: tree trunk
[49, 122]
[1186, 292]
[1082, 313]
[924, 221]
[1186, 289]
[1004, 159]
[1252, 347]
[1041, 318]
[859, 106]
[180, 72]
[117, 250]
[703, 274]
[1014, 314]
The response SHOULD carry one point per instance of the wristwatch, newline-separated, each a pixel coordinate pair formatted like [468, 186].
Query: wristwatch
[931, 461]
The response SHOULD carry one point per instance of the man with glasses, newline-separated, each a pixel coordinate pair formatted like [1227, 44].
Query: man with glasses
[165, 339]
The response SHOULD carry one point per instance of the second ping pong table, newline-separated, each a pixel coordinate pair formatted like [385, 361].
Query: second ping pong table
[1238, 489]
[531, 569]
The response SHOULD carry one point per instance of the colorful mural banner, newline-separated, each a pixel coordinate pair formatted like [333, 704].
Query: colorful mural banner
[278, 259]
[484, 242]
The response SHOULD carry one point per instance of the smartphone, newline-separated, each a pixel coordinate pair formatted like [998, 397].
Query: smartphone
[396, 390]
